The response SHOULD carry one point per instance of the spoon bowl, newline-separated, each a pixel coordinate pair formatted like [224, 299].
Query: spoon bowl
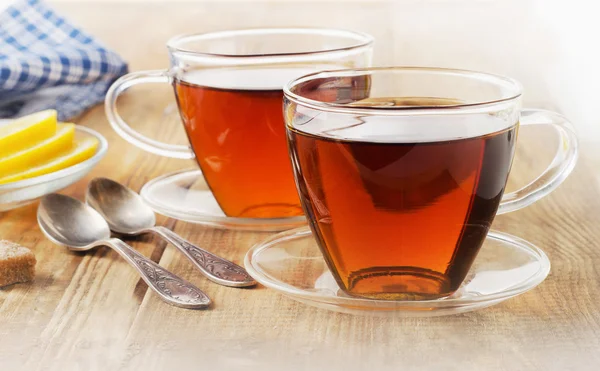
[68, 222]
[123, 209]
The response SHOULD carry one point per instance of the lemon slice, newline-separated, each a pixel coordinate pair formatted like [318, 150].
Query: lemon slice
[41, 152]
[26, 131]
[81, 151]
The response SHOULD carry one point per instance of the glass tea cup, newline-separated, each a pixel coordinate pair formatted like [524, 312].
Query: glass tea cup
[229, 87]
[401, 171]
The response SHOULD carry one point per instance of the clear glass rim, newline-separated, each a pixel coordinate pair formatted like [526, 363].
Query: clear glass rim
[475, 107]
[363, 40]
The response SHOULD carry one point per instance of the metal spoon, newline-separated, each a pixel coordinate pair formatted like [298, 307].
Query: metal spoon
[127, 214]
[69, 222]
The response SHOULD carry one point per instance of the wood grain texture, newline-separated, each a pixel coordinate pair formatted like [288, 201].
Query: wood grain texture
[92, 312]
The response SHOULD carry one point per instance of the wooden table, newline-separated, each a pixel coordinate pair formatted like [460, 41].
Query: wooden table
[92, 312]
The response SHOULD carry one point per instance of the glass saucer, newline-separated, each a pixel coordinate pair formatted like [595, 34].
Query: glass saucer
[184, 195]
[26, 191]
[291, 263]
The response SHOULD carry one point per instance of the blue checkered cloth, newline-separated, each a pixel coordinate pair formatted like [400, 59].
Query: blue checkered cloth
[45, 62]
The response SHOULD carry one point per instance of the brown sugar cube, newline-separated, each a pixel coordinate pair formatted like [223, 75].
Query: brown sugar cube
[17, 263]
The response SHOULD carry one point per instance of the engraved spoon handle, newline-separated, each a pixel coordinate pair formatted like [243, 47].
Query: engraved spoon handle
[215, 268]
[171, 288]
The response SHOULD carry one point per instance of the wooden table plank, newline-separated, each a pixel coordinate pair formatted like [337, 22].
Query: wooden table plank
[91, 311]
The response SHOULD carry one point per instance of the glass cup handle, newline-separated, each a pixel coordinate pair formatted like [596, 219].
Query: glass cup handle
[125, 131]
[558, 170]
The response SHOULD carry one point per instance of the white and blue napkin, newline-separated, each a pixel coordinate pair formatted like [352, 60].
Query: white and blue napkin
[45, 62]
